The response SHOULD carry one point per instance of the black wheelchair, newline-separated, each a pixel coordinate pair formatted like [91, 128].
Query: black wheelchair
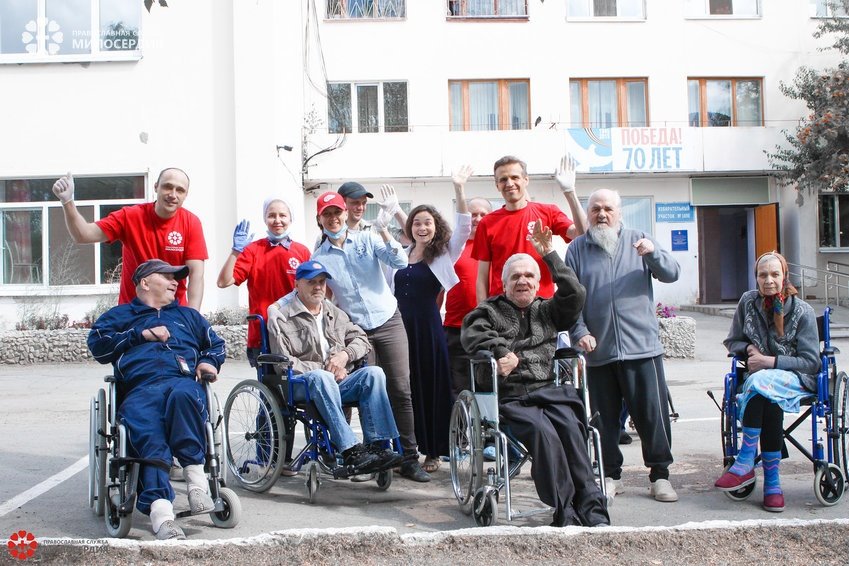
[827, 412]
[475, 421]
[113, 473]
[260, 419]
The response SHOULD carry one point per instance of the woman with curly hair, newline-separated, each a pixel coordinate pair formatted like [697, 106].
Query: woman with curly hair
[417, 288]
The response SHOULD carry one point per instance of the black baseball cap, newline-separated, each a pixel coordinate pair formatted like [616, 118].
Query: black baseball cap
[152, 266]
[353, 189]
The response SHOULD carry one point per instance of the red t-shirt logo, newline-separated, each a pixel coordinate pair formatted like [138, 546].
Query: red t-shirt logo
[175, 238]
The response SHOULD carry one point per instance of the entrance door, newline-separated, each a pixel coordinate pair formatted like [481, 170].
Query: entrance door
[723, 253]
[766, 229]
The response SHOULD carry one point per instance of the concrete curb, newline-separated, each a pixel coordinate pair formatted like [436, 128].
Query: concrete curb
[713, 542]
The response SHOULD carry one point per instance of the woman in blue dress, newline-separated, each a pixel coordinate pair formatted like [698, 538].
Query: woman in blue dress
[418, 289]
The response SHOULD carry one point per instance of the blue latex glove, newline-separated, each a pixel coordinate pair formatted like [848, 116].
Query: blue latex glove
[240, 236]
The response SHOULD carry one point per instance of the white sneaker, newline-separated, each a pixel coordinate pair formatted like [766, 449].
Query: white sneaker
[662, 490]
[613, 487]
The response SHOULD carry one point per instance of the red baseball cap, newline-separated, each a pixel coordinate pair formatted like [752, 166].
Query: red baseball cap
[329, 199]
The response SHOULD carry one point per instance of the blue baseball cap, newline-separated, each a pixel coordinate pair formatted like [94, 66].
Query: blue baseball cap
[311, 270]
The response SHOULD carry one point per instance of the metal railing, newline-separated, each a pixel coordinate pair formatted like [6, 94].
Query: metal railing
[835, 283]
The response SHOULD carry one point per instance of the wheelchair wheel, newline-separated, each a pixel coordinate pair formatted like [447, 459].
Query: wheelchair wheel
[841, 426]
[485, 507]
[97, 453]
[465, 447]
[384, 480]
[312, 482]
[255, 436]
[829, 484]
[742, 493]
[232, 513]
[116, 525]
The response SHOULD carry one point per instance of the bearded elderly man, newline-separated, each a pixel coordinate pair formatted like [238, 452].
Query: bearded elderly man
[520, 329]
[618, 330]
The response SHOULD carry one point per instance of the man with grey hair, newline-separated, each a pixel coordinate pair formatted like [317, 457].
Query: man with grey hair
[520, 329]
[618, 330]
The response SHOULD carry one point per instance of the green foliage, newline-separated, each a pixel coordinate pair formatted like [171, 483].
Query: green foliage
[817, 157]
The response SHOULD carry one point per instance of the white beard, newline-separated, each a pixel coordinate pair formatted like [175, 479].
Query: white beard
[605, 237]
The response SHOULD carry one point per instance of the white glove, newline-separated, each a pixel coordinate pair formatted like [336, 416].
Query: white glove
[565, 174]
[389, 202]
[382, 221]
[64, 188]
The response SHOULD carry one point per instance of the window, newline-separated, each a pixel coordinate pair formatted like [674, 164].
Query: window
[488, 8]
[699, 8]
[373, 107]
[637, 212]
[725, 102]
[69, 30]
[608, 103]
[635, 9]
[36, 247]
[489, 105]
[834, 220]
[827, 9]
[354, 9]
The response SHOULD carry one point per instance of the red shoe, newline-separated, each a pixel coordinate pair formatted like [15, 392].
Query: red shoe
[774, 502]
[732, 482]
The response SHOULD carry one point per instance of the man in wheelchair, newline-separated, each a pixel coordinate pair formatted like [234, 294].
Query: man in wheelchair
[160, 350]
[520, 330]
[324, 346]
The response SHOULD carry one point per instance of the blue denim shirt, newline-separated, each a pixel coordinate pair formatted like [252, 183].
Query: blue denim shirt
[358, 284]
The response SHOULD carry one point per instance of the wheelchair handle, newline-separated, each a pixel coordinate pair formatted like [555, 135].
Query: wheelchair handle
[567, 353]
[483, 355]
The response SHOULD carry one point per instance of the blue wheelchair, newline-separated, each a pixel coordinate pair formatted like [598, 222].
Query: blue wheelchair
[260, 419]
[826, 409]
[114, 472]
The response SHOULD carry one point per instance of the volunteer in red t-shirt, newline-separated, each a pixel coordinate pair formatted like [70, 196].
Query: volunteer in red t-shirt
[268, 265]
[162, 229]
[505, 232]
[460, 300]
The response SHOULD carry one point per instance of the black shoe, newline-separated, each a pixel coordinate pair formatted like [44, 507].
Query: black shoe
[388, 458]
[413, 471]
[359, 460]
[624, 437]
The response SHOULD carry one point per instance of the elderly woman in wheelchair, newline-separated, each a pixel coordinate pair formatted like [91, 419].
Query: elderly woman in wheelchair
[775, 332]
[520, 330]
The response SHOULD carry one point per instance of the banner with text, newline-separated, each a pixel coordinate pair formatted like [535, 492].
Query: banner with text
[635, 149]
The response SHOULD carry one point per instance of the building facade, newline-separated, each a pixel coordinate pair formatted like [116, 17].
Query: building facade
[673, 103]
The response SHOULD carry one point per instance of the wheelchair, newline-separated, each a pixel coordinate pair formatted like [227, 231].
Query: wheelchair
[475, 421]
[113, 474]
[260, 420]
[826, 409]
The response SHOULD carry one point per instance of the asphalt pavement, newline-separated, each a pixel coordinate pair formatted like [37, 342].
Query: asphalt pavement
[43, 466]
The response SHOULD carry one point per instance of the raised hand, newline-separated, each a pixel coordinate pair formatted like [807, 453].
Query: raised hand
[541, 238]
[63, 188]
[460, 177]
[565, 173]
[389, 200]
[240, 236]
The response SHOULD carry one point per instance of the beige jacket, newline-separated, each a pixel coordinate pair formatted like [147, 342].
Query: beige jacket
[292, 332]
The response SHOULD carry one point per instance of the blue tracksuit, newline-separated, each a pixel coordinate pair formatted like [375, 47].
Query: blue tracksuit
[163, 409]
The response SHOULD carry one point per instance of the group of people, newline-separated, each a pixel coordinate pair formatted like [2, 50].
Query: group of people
[497, 272]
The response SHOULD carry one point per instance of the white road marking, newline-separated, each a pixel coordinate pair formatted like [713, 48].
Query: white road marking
[44, 486]
[701, 419]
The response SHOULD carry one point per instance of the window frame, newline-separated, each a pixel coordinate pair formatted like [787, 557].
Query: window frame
[381, 104]
[465, 16]
[834, 196]
[95, 55]
[43, 208]
[705, 13]
[621, 101]
[503, 87]
[593, 18]
[645, 203]
[703, 110]
[343, 11]
[814, 6]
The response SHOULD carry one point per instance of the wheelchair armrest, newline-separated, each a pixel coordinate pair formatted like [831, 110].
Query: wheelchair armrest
[483, 355]
[567, 353]
[268, 359]
[109, 379]
[830, 351]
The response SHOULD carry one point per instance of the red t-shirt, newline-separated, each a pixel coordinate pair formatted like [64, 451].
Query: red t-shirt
[145, 236]
[270, 273]
[461, 298]
[505, 232]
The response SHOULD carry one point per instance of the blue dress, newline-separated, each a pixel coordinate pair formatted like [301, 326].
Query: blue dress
[416, 288]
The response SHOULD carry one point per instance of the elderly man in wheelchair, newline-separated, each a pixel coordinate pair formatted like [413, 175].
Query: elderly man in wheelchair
[161, 351]
[323, 346]
[520, 330]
